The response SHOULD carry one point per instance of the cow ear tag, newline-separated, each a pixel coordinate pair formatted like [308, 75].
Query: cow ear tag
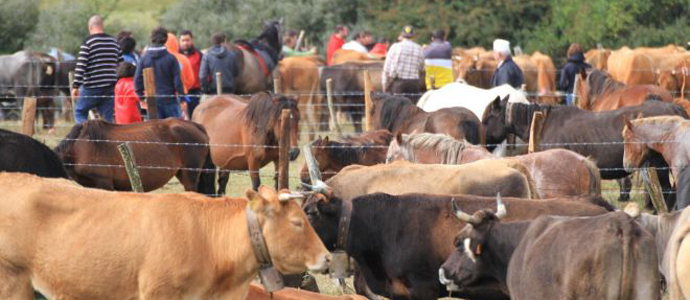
[340, 264]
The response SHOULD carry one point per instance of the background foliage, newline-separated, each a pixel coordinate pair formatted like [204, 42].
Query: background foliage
[545, 25]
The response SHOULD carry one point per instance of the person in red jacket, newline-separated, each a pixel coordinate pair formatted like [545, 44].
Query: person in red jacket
[188, 49]
[126, 99]
[336, 42]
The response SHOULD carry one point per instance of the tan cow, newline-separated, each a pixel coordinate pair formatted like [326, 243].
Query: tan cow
[343, 55]
[641, 65]
[257, 292]
[299, 76]
[679, 265]
[676, 79]
[546, 78]
[598, 58]
[70, 242]
[529, 71]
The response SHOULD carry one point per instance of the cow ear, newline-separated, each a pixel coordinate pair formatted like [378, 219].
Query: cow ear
[628, 124]
[258, 204]
[325, 140]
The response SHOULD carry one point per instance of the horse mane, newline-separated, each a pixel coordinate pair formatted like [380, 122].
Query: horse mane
[92, 130]
[598, 83]
[263, 112]
[351, 149]
[393, 111]
[521, 114]
[446, 147]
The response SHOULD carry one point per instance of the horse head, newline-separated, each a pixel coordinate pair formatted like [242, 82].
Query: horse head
[273, 34]
[496, 121]
[635, 151]
[396, 149]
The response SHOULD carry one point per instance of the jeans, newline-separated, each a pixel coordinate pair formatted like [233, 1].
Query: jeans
[100, 98]
[570, 99]
[192, 101]
[169, 110]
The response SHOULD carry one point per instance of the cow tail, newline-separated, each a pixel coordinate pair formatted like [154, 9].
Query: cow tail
[207, 177]
[594, 177]
[628, 267]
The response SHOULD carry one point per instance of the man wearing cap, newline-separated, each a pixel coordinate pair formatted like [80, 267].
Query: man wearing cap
[403, 66]
[508, 71]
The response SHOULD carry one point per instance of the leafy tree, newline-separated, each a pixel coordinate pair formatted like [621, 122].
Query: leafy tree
[18, 19]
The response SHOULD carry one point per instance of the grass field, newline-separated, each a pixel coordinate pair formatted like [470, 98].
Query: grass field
[239, 183]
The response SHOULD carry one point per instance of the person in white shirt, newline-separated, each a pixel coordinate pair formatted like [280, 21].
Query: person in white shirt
[360, 43]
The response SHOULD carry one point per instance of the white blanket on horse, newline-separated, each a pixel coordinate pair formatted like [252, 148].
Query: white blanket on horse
[475, 99]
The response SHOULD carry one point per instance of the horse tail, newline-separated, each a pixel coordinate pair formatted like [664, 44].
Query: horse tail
[594, 177]
[472, 130]
[207, 177]
[528, 176]
[65, 147]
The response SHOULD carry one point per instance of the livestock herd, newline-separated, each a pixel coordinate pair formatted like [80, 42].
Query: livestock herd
[418, 207]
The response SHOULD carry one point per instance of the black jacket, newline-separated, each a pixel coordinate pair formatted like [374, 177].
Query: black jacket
[509, 73]
[166, 71]
[576, 63]
[218, 59]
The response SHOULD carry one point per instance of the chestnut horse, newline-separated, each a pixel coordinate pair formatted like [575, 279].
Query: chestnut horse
[598, 91]
[667, 135]
[399, 114]
[162, 149]
[368, 149]
[556, 172]
[244, 136]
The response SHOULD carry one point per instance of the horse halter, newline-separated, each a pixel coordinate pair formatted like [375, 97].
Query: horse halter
[271, 279]
[340, 264]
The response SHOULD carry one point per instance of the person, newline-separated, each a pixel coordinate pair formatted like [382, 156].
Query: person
[507, 71]
[126, 99]
[380, 47]
[218, 59]
[336, 42]
[438, 60]
[95, 74]
[166, 70]
[128, 46]
[403, 66]
[360, 43]
[186, 71]
[188, 49]
[576, 63]
[289, 43]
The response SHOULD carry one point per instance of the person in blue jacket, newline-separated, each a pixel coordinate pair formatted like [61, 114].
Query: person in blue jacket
[576, 64]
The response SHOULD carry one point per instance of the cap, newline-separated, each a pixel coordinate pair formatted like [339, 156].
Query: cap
[501, 45]
[407, 31]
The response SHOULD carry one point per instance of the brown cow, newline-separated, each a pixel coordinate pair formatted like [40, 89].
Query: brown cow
[546, 78]
[70, 242]
[257, 292]
[598, 58]
[299, 76]
[676, 79]
[607, 256]
[529, 72]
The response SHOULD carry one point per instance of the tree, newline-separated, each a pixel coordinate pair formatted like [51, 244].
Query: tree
[18, 20]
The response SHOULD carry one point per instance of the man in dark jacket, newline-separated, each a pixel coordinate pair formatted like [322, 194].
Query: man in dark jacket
[218, 59]
[507, 71]
[576, 63]
[166, 71]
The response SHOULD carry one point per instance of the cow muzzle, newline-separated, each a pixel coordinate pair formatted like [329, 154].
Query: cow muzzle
[321, 265]
[450, 285]
[293, 153]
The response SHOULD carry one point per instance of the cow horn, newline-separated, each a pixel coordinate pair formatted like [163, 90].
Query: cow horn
[289, 196]
[463, 216]
[500, 207]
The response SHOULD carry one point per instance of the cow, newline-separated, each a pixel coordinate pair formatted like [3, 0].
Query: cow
[299, 76]
[257, 292]
[348, 88]
[399, 242]
[598, 58]
[607, 256]
[70, 242]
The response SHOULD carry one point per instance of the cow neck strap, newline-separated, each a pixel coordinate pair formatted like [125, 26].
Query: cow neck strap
[257, 240]
[344, 224]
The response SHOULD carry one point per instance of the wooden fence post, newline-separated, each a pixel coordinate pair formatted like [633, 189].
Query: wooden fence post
[576, 99]
[535, 132]
[28, 116]
[369, 125]
[331, 109]
[653, 187]
[131, 166]
[276, 81]
[219, 85]
[299, 40]
[150, 93]
[283, 150]
[70, 77]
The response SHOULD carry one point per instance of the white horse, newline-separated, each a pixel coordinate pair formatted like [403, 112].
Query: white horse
[460, 94]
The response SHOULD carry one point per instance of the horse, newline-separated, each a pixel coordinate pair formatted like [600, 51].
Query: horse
[257, 59]
[20, 153]
[368, 149]
[598, 91]
[244, 136]
[596, 135]
[556, 172]
[399, 114]
[457, 94]
[666, 135]
[162, 149]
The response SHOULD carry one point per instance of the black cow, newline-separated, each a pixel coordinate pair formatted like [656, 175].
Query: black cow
[20, 153]
[399, 242]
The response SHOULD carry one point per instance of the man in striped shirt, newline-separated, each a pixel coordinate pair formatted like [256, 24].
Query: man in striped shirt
[96, 75]
[403, 67]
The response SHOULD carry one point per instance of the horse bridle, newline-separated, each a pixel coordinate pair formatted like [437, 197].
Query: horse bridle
[271, 279]
[340, 263]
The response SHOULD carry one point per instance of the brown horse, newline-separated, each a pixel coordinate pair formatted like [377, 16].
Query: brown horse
[556, 172]
[598, 91]
[244, 136]
[368, 149]
[667, 135]
[399, 114]
[257, 59]
[162, 149]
